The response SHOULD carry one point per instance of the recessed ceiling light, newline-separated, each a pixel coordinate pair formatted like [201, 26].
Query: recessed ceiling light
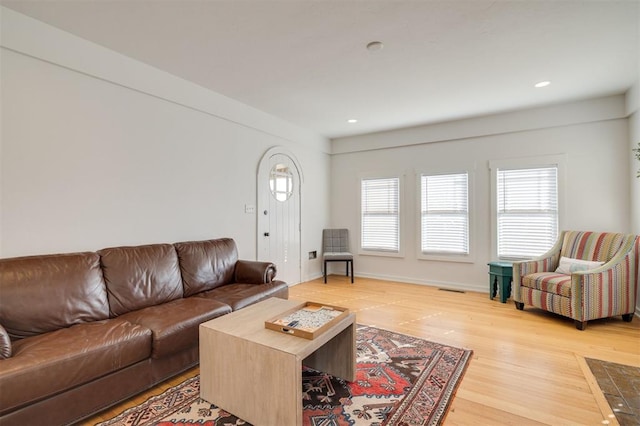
[375, 45]
[352, 120]
[542, 84]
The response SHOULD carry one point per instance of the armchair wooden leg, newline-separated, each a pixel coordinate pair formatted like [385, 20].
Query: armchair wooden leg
[325, 271]
[519, 306]
[627, 317]
[351, 271]
[581, 325]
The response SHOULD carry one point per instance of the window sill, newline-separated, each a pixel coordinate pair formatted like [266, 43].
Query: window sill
[380, 253]
[442, 257]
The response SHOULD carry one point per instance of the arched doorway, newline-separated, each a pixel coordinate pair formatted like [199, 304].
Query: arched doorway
[279, 186]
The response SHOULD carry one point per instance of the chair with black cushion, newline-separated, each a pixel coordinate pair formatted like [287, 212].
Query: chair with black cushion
[335, 248]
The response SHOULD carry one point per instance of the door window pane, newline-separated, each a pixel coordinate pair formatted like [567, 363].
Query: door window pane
[281, 182]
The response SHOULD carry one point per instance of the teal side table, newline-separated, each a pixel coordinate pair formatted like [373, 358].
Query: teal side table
[500, 277]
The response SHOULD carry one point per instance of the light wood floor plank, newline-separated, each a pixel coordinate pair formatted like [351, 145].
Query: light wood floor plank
[524, 369]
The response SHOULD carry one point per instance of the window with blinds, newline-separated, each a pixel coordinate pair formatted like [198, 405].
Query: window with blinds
[444, 213]
[380, 209]
[527, 211]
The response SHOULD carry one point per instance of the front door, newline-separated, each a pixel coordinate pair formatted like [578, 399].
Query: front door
[279, 196]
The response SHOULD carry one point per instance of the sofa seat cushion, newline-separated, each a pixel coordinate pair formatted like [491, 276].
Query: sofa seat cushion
[239, 295]
[175, 325]
[44, 365]
[338, 256]
[549, 282]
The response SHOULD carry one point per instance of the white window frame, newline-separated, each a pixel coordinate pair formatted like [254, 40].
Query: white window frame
[447, 257]
[558, 161]
[401, 221]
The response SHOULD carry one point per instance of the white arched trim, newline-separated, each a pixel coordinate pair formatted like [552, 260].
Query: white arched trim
[262, 201]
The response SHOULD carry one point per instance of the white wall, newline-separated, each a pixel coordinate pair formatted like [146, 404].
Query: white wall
[100, 150]
[633, 110]
[634, 133]
[592, 135]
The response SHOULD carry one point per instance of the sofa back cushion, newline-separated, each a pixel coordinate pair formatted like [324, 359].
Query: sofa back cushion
[593, 246]
[206, 265]
[45, 293]
[137, 277]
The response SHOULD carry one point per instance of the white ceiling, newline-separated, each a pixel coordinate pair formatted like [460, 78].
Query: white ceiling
[305, 61]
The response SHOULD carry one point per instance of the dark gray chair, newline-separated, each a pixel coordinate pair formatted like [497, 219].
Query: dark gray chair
[335, 248]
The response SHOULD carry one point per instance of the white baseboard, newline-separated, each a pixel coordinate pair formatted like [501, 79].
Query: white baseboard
[481, 288]
[431, 283]
[308, 278]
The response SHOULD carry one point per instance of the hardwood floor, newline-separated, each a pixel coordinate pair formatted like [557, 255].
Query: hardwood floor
[526, 365]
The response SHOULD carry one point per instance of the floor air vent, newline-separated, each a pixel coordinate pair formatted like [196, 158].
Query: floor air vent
[452, 291]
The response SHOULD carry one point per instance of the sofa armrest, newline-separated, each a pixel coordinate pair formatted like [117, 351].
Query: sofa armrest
[254, 272]
[545, 263]
[610, 289]
[5, 344]
[542, 264]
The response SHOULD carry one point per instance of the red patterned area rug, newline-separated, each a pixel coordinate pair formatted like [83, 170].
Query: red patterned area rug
[400, 380]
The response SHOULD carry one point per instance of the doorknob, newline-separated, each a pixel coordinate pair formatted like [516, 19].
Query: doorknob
[266, 234]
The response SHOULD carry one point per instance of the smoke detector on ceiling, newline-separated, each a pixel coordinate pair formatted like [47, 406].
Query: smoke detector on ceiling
[374, 46]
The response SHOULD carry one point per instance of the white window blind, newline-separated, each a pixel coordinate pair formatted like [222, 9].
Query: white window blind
[445, 213]
[527, 211]
[380, 208]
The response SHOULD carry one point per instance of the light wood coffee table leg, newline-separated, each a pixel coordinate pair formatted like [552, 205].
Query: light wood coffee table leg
[257, 384]
[324, 359]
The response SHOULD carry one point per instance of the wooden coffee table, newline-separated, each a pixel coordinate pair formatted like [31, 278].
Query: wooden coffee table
[256, 373]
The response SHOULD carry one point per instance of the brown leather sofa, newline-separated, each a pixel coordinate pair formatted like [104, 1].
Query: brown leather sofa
[82, 331]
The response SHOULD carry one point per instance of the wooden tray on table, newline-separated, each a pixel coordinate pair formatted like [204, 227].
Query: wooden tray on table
[308, 320]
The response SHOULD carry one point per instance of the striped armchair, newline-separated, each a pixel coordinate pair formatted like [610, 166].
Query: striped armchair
[585, 291]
